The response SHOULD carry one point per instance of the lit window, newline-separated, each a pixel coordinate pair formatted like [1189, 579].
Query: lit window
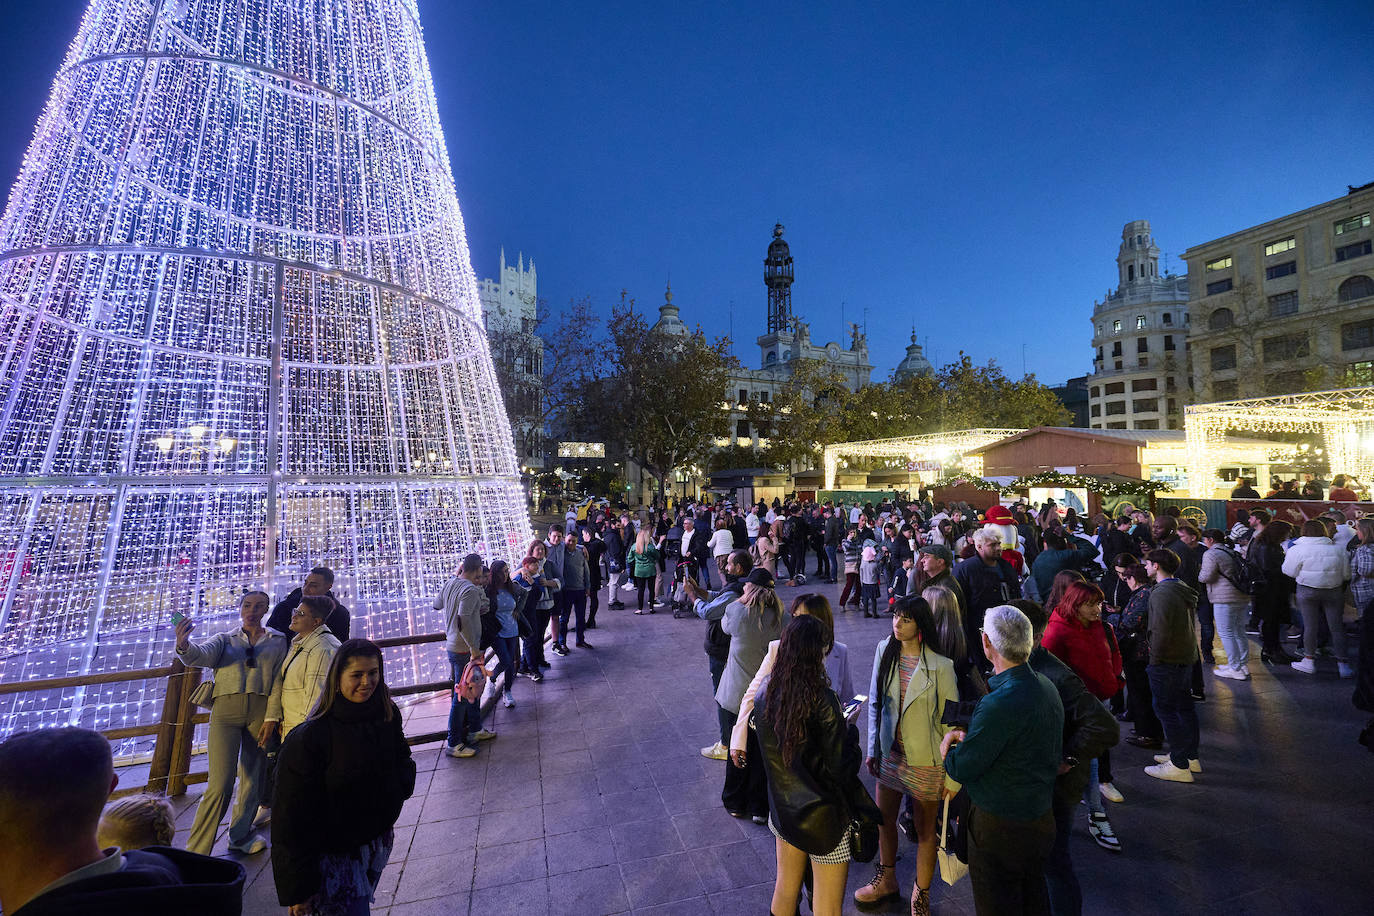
[1139, 322]
[1350, 225]
[1220, 263]
[1280, 246]
[1116, 326]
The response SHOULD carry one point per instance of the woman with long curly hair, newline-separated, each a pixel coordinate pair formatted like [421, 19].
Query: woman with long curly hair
[811, 758]
[911, 682]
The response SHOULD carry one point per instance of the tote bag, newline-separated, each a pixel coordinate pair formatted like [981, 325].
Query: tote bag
[951, 868]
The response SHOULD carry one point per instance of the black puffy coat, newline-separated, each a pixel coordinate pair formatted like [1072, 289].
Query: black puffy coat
[341, 782]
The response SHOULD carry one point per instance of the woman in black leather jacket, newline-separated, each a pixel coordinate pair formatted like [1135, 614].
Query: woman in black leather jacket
[342, 777]
[811, 756]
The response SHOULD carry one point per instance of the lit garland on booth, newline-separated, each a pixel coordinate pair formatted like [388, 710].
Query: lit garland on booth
[242, 339]
[1101, 485]
[962, 480]
[1343, 417]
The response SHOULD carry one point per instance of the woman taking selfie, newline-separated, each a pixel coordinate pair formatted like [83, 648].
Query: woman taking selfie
[342, 777]
[911, 682]
[811, 758]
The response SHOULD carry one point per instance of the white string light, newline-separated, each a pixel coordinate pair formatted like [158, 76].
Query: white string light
[942, 447]
[239, 337]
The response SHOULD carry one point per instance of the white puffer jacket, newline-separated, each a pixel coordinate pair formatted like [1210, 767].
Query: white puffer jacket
[1317, 563]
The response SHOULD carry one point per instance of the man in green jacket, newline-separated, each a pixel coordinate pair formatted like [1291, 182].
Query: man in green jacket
[1172, 635]
[1008, 760]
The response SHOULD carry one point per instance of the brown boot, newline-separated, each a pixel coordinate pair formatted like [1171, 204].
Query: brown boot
[880, 890]
[920, 901]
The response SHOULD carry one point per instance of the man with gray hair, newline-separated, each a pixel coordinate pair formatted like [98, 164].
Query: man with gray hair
[987, 580]
[1008, 760]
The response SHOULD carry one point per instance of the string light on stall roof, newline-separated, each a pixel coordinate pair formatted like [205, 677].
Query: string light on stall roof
[251, 295]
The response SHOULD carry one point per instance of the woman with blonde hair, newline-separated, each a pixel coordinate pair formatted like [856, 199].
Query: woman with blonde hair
[135, 822]
[752, 622]
[642, 562]
[951, 642]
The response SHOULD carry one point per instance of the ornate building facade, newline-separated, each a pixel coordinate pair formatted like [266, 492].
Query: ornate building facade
[785, 342]
[1140, 362]
[510, 314]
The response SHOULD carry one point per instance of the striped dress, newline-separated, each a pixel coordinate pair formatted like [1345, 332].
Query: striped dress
[923, 783]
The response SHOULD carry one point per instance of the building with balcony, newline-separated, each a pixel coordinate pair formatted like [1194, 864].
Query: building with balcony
[1140, 362]
[1286, 306]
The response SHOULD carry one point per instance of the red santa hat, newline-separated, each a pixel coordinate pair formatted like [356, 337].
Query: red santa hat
[998, 515]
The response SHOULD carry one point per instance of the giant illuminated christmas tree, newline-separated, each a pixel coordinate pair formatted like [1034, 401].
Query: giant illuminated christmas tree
[241, 337]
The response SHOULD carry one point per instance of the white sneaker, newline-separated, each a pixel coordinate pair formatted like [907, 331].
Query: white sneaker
[251, 848]
[1305, 665]
[264, 817]
[716, 751]
[1345, 669]
[1167, 771]
[1235, 674]
[506, 699]
[1194, 765]
[627, 587]
[1110, 793]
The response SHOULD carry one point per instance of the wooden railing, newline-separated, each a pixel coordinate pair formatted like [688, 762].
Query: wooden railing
[169, 773]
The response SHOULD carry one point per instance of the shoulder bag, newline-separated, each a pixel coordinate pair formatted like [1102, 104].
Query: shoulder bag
[951, 867]
[203, 696]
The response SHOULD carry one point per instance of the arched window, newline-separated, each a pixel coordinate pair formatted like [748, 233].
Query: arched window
[772, 358]
[1221, 318]
[1357, 287]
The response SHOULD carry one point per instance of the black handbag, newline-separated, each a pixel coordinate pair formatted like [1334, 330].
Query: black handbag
[865, 817]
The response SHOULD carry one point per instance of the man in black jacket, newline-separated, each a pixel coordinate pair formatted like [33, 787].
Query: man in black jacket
[987, 581]
[1089, 730]
[320, 581]
[616, 549]
[53, 785]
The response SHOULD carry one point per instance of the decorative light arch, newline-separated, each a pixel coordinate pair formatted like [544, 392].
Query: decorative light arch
[930, 447]
[1344, 418]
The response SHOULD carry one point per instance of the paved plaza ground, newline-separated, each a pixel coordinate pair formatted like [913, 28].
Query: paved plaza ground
[594, 799]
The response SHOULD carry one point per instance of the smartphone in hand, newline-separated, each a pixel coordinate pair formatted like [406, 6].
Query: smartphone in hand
[177, 618]
[851, 707]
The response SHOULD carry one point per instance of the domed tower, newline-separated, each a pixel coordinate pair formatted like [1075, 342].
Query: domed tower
[915, 362]
[1138, 258]
[777, 276]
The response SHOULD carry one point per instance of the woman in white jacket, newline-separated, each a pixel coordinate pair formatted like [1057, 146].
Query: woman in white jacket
[1321, 570]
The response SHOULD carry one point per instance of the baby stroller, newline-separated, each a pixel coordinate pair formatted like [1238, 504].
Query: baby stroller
[684, 568]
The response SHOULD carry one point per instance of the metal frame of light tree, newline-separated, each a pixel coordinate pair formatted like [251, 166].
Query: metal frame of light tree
[1344, 418]
[241, 338]
[928, 447]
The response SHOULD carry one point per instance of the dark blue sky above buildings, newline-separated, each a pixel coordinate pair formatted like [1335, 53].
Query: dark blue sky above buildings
[963, 167]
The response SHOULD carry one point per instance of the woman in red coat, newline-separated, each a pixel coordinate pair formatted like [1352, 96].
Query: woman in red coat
[1081, 639]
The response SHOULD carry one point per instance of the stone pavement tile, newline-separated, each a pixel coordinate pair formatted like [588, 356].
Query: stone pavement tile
[580, 850]
[693, 907]
[572, 761]
[610, 780]
[708, 828]
[592, 892]
[638, 805]
[410, 811]
[523, 898]
[386, 888]
[437, 876]
[662, 880]
[729, 866]
[558, 742]
[446, 805]
[678, 769]
[750, 901]
[400, 844]
[511, 826]
[439, 837]
[645, 839]
[697, 795]
[577, 813]
[500, 795]
[435, 906]
[564, 786]
[609, 757]
[668, 747]
[509, 863]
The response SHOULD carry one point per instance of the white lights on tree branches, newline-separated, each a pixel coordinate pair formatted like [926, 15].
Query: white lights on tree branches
[239, 337]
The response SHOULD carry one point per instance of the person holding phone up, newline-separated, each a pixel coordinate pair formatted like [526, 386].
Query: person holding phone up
[245, 662]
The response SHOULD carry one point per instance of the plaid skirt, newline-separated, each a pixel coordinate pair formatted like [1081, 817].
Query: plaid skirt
[837, 856]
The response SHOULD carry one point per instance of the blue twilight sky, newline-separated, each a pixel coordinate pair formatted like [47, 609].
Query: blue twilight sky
[966, 167]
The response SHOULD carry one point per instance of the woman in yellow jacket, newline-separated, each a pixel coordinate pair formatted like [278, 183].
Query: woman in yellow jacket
[911, 682]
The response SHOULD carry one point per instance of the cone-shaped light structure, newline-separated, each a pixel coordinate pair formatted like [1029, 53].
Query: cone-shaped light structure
[241, 338]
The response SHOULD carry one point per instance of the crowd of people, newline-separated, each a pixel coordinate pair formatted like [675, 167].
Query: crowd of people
[1018, 643]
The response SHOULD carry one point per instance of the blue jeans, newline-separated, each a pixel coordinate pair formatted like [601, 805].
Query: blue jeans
[464, 716]
[831, 554]
[1230, 623]
[870, 597]
[507, 650]
[1173, 703]
[1092, 795]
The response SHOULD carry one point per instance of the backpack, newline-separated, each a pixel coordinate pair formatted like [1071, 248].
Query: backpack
[789, 529]
[1248, 578]
[472, 682]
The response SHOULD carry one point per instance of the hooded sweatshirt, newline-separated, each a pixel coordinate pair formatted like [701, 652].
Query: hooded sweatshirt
[156, 881]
